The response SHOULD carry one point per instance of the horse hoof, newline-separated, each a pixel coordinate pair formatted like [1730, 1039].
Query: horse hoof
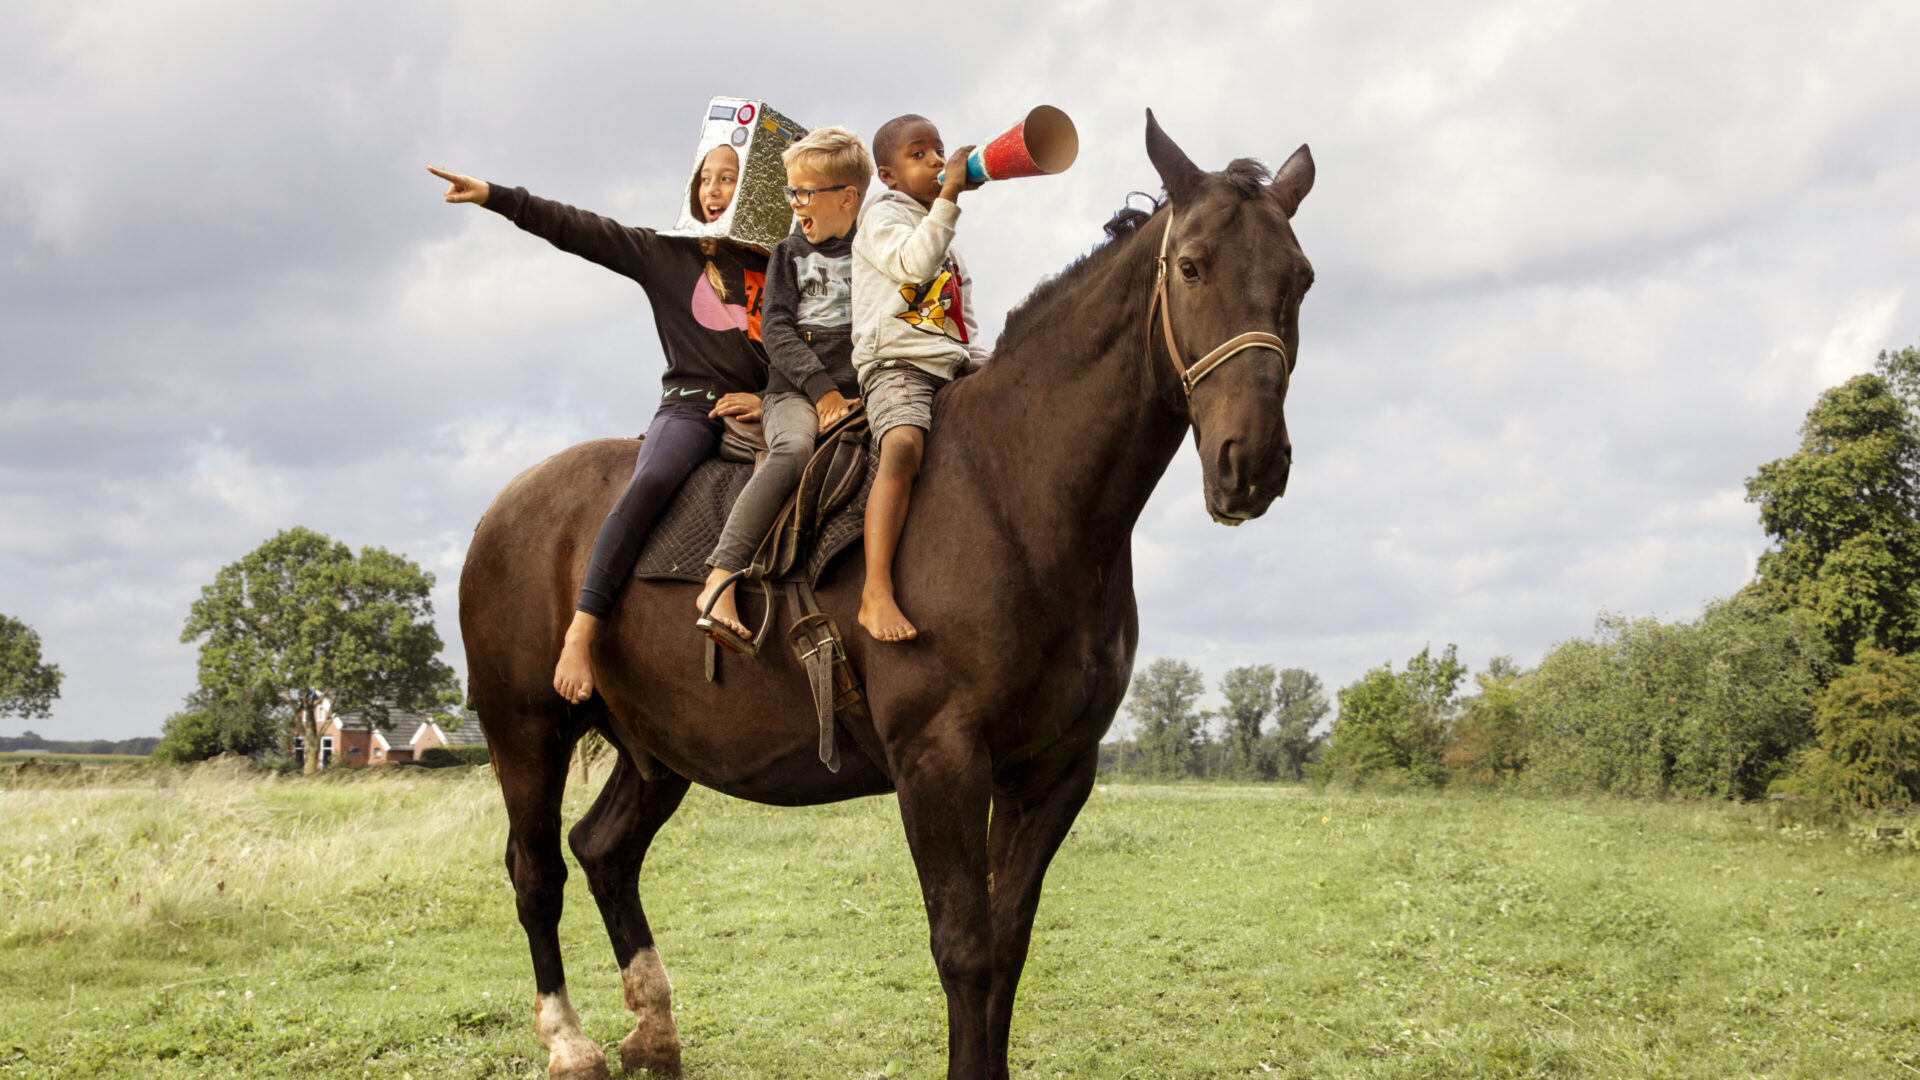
[577, 1061]
[642, 1050]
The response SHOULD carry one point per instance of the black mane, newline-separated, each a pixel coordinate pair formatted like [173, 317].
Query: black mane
[1124, 223]
[1248, 177]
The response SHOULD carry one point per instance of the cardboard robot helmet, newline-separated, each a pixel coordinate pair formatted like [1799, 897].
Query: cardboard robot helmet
[758, 217]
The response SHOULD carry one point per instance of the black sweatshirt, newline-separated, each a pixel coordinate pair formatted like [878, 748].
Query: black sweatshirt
[712, 345]
[808, 326]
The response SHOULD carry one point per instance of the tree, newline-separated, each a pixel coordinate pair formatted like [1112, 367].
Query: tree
[1901, 372]
[1844, 513]
[1869, 735]
[1249, 694]
[1396, 722]
[301, 619]
[28, 686]
[1166, 719]
[1488, 744]
[1299, 704]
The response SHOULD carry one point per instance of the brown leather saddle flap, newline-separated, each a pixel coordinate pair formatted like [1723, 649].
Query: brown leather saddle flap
[836, 472]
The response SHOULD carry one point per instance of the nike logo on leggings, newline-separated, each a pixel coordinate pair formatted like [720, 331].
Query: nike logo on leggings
[688, 393]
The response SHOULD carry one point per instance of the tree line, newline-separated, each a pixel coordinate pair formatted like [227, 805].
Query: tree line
[1265, 731]
[1805, 683]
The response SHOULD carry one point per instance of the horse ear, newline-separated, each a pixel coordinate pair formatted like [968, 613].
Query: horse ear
[1294, 180]
[1178, 174]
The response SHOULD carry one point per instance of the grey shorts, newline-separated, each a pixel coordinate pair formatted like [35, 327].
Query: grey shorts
[898, 396]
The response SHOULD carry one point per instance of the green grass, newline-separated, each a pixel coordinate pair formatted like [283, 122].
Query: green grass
[162, 924]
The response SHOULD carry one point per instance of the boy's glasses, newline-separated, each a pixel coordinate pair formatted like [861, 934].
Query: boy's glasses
[801, 196]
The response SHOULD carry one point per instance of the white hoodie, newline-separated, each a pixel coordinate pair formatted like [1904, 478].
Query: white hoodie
[910, 289]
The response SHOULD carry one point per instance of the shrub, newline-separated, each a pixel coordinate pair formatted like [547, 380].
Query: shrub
[1395, 721]
[1713, 708]
[212, 724]
[1868, 724]
[1487, 745]
[442, 757]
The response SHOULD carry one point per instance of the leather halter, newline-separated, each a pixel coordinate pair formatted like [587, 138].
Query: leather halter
[1191, 376]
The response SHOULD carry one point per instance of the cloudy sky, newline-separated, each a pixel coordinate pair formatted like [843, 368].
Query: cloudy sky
[1581, 267]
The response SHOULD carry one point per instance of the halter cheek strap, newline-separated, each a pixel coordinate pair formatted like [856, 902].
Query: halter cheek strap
[1191, 376]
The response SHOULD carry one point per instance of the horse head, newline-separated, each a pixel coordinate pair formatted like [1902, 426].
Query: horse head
[1234, 276]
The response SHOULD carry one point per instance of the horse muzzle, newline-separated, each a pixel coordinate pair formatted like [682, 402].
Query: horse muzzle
[1238, 489]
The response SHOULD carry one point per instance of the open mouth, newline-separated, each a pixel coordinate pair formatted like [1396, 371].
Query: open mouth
[806, 225]
[714, 212]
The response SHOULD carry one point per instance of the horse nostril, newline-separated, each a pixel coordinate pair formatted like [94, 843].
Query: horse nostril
[1231, 467]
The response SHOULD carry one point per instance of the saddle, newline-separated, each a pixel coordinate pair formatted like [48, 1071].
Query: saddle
[821, 519]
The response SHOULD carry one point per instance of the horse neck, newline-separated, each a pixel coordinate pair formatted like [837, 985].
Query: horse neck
[1074, 421]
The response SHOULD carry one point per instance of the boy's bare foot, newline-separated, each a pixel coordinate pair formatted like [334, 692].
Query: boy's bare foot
[725, 611]
[573, 675]
[884, 619]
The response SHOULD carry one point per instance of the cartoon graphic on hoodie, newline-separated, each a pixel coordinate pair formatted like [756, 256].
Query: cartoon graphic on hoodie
[935, 307]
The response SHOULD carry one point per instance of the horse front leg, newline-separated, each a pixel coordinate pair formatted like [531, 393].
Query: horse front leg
[1032, 812]
[945, 788]
[611, 842]
[532, 769]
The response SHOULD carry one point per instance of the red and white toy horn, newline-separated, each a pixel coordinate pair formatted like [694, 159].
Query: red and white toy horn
[1040, 145]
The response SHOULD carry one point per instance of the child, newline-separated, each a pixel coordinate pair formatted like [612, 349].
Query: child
[714, 363]
[913, 330]
[806, 325]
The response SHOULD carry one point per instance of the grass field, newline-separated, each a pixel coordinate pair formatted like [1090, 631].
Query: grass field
[14, 757]
[216, 924]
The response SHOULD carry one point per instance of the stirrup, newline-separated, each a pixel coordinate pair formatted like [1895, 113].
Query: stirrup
[722, 634]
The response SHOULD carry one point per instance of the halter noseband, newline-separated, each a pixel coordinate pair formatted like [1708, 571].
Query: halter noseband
[1191, 376]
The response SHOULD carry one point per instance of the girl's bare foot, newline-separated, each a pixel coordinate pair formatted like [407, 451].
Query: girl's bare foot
[573, 675]
[883, 618]
[725, 611]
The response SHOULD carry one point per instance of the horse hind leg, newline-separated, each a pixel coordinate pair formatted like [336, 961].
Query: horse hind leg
[611, 842]
[531, 754]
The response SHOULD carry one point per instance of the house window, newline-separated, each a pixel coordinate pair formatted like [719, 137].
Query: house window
[353, 751]
[326, 750]
[299, 747]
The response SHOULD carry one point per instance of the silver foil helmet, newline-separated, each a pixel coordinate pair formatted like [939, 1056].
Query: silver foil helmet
[758, 216]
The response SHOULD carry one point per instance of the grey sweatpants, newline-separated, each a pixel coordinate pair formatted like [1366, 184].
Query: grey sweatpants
[790, 424]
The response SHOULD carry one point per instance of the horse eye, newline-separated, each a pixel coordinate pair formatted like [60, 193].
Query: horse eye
[1188, 270]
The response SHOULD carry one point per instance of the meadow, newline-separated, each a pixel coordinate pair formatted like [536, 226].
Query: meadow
[17, 757]
[212, 922]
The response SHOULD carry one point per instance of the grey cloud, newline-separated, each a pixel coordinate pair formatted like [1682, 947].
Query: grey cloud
[1580, 271]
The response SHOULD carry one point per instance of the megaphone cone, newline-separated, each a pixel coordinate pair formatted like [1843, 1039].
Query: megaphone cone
[1040, 145]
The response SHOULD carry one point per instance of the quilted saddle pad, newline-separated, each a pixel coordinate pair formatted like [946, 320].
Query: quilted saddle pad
[683, 538]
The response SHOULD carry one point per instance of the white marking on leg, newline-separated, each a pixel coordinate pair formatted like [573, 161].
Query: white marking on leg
[654, 1042]
[570, 1054]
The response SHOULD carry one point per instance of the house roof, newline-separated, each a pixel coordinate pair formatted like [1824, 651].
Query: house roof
[401, 724]
[467, 734]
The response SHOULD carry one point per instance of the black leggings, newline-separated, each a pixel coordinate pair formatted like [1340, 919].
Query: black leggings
[681, 436]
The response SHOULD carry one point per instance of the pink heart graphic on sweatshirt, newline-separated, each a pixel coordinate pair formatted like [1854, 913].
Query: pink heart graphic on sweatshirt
[714, 313]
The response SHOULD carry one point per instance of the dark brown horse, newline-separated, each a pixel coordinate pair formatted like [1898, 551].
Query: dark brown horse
[1016, 562]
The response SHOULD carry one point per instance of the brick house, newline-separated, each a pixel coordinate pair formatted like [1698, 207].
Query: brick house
[350, 737]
